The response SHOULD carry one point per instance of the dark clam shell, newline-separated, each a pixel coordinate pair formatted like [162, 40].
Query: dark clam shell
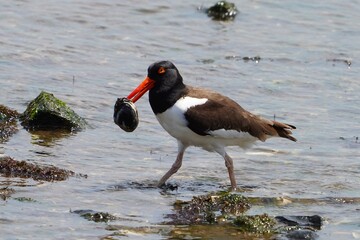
[126, 114]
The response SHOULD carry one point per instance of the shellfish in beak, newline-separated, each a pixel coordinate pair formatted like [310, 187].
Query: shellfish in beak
[126, 115]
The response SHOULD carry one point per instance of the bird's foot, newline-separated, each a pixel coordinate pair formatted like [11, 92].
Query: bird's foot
[168, 186]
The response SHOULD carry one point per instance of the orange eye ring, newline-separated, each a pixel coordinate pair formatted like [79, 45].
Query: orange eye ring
[161, 70]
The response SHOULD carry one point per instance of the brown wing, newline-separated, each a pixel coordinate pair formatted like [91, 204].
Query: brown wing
[220, 112]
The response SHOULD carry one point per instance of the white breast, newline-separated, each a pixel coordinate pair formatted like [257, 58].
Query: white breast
[173, 119]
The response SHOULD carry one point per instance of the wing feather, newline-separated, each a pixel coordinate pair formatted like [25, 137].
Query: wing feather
[220, 112]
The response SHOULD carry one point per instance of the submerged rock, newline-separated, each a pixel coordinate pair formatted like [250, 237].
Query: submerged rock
[13, 168]
[222, 11]
[95, 216]
[8, 124]
[46, 112]
[24, 199]
[301, 235]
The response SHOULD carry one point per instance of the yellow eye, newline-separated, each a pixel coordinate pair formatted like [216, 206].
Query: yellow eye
[161, 70]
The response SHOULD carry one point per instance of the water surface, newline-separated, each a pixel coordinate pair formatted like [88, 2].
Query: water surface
[88, 53]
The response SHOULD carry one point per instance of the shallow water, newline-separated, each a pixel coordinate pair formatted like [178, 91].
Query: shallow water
[88, 53]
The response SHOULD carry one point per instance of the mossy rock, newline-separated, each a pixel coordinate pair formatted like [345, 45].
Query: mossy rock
[222, 11]
[8, 124]
[46, 112]
[258, 224]
[210, 208]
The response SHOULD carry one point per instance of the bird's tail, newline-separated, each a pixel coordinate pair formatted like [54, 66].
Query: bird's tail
[284, 130]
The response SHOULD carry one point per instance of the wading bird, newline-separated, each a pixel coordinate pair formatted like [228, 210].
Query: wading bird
[202, 118]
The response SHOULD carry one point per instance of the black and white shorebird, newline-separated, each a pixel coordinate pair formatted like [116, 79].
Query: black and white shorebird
[202, 118]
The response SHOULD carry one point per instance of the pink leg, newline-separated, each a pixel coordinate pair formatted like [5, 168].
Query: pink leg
[230, 166]
[175, 167]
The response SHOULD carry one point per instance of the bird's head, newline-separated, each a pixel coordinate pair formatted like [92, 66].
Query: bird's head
[162, 76]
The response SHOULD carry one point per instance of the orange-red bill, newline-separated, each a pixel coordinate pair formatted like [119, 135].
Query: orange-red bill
[146, 85]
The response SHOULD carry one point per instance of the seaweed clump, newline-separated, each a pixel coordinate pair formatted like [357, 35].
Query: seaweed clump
[8, 124]
[211, 208]
[13, 168]
[222, 11]
[6, 192]
[46, 112]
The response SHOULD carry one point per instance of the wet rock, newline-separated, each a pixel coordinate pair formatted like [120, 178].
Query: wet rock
[95, 216]
[301, 235]
[311, 222]
[8, 124]
[222, 11]
[299, 227]
[259, 224]
[211, 208]
[13, 168]
[46, 112]
[126, 114]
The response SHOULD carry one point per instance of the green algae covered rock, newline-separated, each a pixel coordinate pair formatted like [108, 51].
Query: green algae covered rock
[8, 124]
[46, 112]
[210, 208]
[222, 11]
[258, 224]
